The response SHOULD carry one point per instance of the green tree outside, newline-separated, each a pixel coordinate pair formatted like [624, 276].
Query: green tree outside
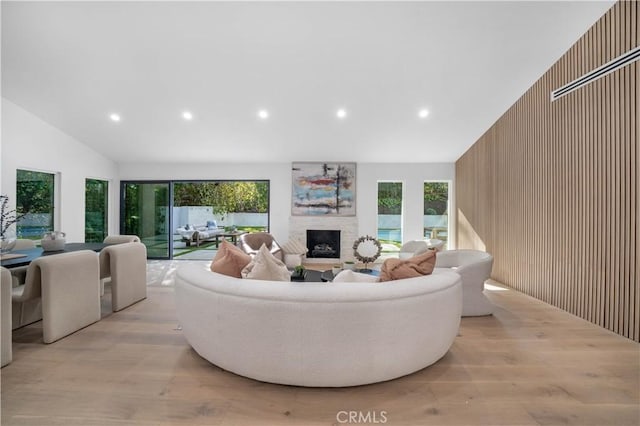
[436, 197]
[224, 197]
[389, 197]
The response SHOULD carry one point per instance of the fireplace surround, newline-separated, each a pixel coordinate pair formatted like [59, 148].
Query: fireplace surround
[323, 244]
[347, 225]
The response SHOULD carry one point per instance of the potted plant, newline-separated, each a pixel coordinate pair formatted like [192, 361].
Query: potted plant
[299, 273]
[349, 264]
[7, 219]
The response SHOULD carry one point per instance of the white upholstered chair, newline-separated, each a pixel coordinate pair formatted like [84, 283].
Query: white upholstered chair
[126, 266]
[68, 285]
[412, 248]
[23, 244]
[115, 239]
[435, 244]
[6, 354]
[252, 242]
[18, 274]
[121, 239]
[475, 268]
[294, 253]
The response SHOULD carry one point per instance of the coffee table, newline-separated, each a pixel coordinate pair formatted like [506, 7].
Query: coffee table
[312, 276]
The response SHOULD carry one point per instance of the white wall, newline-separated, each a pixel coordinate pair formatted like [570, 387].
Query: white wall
[279, 174]
[32, 144]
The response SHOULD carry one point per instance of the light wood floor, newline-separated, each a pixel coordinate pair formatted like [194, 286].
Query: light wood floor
[529, 364]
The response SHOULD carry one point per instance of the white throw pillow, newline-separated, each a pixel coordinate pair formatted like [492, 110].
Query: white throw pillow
[348, 276]
[294, 247]
[266, 266]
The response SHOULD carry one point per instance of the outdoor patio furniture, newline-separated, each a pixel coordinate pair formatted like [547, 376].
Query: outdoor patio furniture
[200, 233]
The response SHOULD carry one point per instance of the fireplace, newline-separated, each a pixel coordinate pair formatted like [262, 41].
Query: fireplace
[323, 244]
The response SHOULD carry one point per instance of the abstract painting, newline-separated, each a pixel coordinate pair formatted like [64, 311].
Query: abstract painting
[327, 189]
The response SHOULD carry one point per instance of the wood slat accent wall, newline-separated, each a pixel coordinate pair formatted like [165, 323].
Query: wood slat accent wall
[551, 189]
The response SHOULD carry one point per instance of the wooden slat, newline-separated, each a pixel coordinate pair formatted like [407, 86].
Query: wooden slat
[551, 189]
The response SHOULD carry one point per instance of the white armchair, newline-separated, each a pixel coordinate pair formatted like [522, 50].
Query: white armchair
[413, 248]
[252, 242]
[435, 244]
[475, 268]
[294, 253]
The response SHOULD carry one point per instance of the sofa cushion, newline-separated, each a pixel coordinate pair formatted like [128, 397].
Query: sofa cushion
[397, 269]
[230, 260]
[265, 266]
[211, 224]
[350, 276]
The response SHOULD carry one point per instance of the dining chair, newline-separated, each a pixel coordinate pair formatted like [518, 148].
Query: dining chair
[126, 266]
[24, 244]
[6, 354]
[121, 239]
[116, 239]
[68, 286]
[19, 273]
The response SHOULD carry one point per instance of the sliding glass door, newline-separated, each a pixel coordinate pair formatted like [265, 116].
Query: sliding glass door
[144, 211]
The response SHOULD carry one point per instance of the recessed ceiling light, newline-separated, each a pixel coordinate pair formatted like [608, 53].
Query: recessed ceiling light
[423, 113]
[187, 115]
[114, 117]
[341, 113]
[263, 114]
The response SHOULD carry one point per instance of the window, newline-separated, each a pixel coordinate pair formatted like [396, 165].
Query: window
[96, 213]
[34, 199]
[390, 215]
[436, 210]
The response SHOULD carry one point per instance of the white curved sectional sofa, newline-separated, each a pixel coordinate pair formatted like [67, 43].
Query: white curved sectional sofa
[319, 334]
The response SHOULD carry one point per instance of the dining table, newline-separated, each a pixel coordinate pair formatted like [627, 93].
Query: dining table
[17, 258]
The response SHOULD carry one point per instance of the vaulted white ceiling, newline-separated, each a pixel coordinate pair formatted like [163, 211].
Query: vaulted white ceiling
[74, 63]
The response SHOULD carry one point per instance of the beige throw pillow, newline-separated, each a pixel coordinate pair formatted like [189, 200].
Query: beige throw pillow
[416, 266]
[229, 260]
[266, 266]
